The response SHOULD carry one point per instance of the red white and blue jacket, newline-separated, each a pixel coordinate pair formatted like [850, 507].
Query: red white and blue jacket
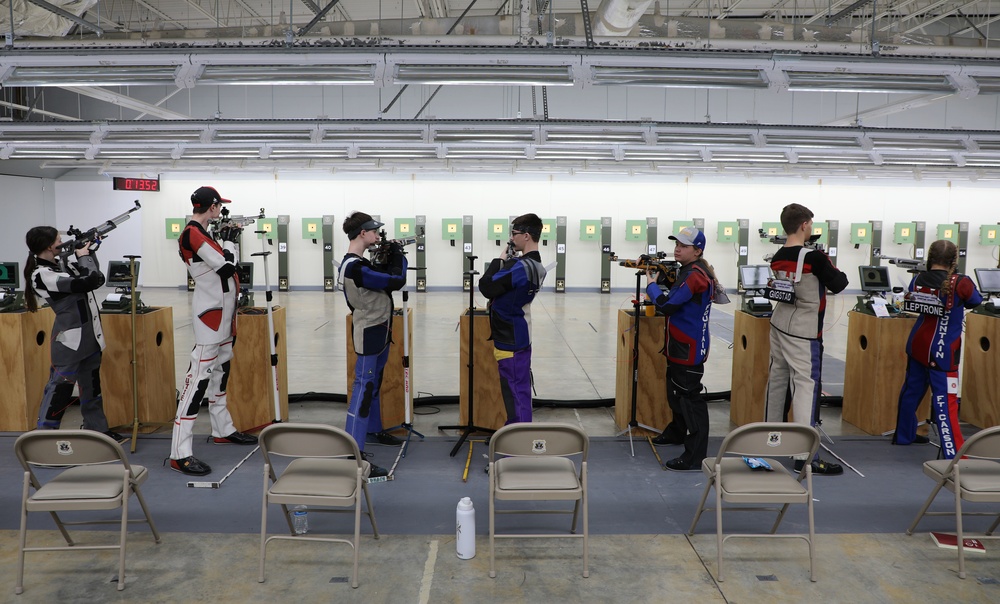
[936, 342]
[688, 306]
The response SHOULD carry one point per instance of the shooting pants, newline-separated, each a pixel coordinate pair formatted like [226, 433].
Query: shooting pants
[515, 383]
[944, 406]
[796, 363]
[207, 376]
[58, 394]
[365, 408]
[690, 412]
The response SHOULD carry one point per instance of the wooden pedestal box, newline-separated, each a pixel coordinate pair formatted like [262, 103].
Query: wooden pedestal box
[251, 378]
[751, 363]
[651, 396]
[981, 371]
[876, 368]
[154, 354]
[26, 352]
[488, 410]
[391, 395]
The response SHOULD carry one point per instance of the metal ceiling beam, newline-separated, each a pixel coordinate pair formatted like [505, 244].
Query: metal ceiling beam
[887, 109]
[103, 94]
[940, 16]
[317, 18]
[67, 15]
[847, 11]
[159, 13]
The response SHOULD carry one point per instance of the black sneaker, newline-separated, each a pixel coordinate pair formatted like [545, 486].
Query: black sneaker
[118, 438]
[667, 439]
[917, 440]
[376, 471]
[383, 438]
[190, 466]
[236, 438]
[679, 465]
[819, 466]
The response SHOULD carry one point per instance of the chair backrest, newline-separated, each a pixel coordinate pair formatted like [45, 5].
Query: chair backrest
[771, 439]
[307, 440]
[67, 448]
[539, 438]
[984, 444]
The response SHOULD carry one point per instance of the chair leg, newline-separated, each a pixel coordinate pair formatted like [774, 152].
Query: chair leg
[586, 534]
[123, 535]
[357, 530]
[576, 514]
[993, 526]
[781, 516]
[263, 529]
[958, 523]
[718, 530]
[493, 572]
[701, 507]
[23, 537]
[371, 510]
[145, 510]
[812, 526]
[923, 510]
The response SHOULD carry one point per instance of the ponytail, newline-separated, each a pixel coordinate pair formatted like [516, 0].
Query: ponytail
[29, 291]
[944, 253]
[37, 239]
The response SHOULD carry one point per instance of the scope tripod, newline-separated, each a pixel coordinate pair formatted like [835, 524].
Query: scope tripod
[407, 392]
[633, 422]
[469, 427]
[136, 423]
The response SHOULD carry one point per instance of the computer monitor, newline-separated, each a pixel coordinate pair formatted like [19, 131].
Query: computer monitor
[989, 280]
[244, 270]
[875, 279]
[755, 276]
[118, 274]
[10, 276]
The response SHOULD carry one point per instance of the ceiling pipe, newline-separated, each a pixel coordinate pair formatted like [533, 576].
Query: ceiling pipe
[618, 17]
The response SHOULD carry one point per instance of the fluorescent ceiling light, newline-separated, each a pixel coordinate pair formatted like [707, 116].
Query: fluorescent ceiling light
[503, 75]
[274, 75]
[115, 75]
[864, 82]
[673, 77]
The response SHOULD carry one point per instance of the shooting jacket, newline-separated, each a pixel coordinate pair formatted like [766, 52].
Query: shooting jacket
[76, 333]
[804, 318]
[216, 284]
[510, 288]
[368, 291]
[936, 342]
[688, 306]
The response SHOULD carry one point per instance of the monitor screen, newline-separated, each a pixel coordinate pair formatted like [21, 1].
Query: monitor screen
[989, 280]
[755, 276]
[244, 270]
[118, 274]
[874, 278]
[10, 277]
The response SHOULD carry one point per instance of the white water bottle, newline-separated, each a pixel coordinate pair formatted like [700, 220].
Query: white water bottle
[465, 529]
[300, 520]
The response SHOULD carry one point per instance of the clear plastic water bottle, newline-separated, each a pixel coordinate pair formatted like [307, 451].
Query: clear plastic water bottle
[300, 520]
[465, 529]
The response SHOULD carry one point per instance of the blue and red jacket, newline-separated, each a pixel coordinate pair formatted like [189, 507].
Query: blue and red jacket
[687, 306]
[936, 342]
[510, 287]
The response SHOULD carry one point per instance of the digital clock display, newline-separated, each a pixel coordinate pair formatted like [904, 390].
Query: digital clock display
[136, 184]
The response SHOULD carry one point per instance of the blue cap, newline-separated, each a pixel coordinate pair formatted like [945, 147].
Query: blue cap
[690, 236]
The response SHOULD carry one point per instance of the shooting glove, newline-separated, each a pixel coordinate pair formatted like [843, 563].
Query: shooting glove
[231, 233]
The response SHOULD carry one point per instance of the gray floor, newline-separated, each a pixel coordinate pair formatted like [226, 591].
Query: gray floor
[574, 358]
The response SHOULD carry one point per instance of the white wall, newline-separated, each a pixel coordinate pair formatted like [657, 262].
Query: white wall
[24, 203]
[86, 199]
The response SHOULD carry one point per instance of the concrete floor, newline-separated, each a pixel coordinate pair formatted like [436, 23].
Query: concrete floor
[574, 358]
